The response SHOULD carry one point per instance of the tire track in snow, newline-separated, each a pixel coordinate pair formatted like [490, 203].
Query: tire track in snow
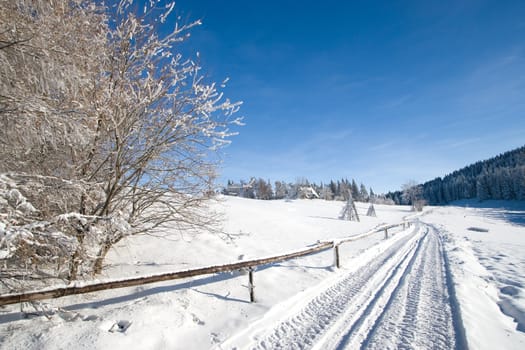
[418, 314]
[399, 300]
[352, 294]
[353, 334]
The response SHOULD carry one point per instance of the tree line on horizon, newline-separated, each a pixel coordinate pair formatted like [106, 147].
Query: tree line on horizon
[501, 177]
[258, 188]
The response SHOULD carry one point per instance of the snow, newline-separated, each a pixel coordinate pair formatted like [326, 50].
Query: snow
[213, 311]
[486, 266]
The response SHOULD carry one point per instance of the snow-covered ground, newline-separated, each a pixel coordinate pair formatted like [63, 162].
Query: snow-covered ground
[486, 250]
[444, 282]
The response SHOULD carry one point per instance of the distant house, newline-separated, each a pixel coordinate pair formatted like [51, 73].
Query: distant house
[240, 189]
[307, 192]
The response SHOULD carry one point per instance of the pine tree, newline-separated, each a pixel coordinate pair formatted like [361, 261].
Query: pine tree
[482, 191]
[519, 183]
[372, 196]
[355, 190]
[333, 189]
[363, 193]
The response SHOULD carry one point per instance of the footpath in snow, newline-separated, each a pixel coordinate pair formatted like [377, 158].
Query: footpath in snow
[397, 298]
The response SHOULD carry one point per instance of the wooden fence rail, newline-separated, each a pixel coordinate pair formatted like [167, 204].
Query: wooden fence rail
[136, 281]
[385, 228]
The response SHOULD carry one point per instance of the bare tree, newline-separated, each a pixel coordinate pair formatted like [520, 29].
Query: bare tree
[51, 56]
[327, 194]
[158, 123]
[101, 99]
[412, 193]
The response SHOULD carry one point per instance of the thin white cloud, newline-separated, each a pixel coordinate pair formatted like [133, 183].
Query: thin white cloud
[397, 101]
[381, 146]
[459, 143]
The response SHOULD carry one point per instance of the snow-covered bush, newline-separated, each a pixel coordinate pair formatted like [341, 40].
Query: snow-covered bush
[36, 245]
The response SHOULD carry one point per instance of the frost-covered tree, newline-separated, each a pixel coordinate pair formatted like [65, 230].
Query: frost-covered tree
[158, 122]
[482, 187]
[412, 195]
[344, 189]
[102, 98]
[518, 183]
[372, 196]
[333, 188]
[263, 189]
[355, 190]
[326, 193]
[52, 56]
[280, 189]
[363, 193]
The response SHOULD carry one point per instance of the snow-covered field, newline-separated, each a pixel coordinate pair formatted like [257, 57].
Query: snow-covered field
[486, 250]
[455, 278]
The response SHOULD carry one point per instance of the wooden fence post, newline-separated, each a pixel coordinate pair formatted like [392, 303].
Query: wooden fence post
[250, 284]
[336, 256]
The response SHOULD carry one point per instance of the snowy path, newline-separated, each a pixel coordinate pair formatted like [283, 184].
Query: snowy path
[400, 299]
[418, 313]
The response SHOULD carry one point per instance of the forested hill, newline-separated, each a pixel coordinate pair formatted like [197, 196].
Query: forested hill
[501, 177]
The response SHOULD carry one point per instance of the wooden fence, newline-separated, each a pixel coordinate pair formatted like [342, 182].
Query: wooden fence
[136, 281]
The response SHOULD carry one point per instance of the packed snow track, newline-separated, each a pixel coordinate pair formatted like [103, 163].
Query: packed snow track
[400, 299]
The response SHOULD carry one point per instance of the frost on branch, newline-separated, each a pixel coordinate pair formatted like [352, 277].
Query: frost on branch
[36, 247]
[119, 130]
[161, 126]
[50, 62]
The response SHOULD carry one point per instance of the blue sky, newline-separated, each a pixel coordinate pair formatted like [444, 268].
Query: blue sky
[379, 91]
